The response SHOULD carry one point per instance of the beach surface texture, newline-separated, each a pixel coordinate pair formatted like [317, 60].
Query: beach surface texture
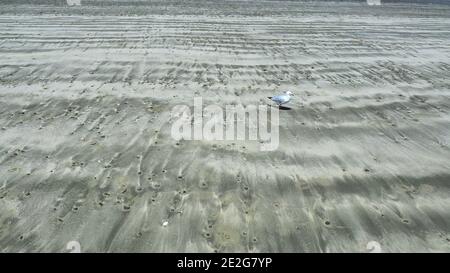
[87, 155]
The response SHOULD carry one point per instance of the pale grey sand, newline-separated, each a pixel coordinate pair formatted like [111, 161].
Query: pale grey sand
[86, 153]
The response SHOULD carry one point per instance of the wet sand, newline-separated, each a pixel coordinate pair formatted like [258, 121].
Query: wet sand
[86, 152]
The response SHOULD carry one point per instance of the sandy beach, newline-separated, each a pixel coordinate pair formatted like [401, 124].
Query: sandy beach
[86, 152]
